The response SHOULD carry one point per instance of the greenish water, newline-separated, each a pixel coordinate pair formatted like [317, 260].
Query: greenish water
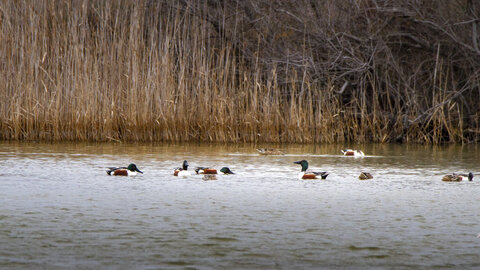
[60, 210]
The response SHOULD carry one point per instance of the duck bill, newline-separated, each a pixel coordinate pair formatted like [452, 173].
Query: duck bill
[297, 162]
[139, 171]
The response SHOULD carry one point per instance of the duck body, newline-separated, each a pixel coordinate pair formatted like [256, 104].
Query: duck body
[312, 175]
[365, 176]
[269, 151]
[452, 178]
[205, 170]
[353, 153]
[183, 171]
[305, 174]
[131, 170]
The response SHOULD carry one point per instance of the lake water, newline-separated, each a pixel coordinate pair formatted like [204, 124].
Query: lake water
[60, 210]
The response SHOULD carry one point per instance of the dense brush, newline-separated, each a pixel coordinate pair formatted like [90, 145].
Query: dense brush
[212, 71]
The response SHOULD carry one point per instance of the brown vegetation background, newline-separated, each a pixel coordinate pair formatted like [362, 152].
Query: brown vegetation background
[240, 71]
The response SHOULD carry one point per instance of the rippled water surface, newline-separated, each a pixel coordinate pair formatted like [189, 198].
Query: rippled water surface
[59, 209]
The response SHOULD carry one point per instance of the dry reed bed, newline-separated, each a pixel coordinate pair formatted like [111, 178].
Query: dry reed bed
[198, 70]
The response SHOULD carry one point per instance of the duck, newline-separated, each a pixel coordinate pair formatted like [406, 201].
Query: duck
[131, 170]
[452, 178]
[226, 170]
[269, 151]
[353, 153]
[209, 177]
[183, 171]
[205, 170]
[457, 177]
[365, 176]
[304, 174]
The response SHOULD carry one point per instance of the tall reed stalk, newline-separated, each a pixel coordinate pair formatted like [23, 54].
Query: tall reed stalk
[177, 71]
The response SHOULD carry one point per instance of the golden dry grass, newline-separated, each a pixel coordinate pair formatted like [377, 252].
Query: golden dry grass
[110, 70]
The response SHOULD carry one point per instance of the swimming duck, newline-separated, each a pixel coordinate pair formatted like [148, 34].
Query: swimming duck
[309, 175]
[209, 177]
[365, 176]
[205, 170]
[354, 153]
[182, 171]
[269, 151]
[452, 178]
[226, 170]
[131, 170]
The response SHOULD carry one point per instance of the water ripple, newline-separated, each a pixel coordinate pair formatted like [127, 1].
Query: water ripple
[59, 209]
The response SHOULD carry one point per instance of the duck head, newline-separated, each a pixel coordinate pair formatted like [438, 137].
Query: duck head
[185, 165]
[226, 170]
[304, 164]
[132, 167]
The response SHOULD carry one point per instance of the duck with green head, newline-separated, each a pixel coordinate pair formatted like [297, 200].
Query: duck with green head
[304, 174]
[131, 170]
[183, 171]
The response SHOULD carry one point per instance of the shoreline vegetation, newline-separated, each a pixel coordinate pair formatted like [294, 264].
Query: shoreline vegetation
[240, 71]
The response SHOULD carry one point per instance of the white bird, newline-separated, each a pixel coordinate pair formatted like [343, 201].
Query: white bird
[354, 153]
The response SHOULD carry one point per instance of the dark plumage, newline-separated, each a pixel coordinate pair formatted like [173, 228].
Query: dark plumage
[226, 170]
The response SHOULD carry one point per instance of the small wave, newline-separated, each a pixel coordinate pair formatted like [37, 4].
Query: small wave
[352, 247]
[223, 239]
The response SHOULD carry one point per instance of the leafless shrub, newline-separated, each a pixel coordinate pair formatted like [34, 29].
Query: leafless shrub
[254, 70]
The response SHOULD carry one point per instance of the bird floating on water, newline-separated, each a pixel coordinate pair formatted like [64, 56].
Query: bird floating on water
[131, 170]
[183, 171]
[353, 153]
[365, 176]
[269, 151]
[457, 177]
[304, 174]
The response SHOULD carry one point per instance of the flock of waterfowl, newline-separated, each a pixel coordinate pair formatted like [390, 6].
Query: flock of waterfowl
[208, 173]
[132, 170]
[305, 174]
